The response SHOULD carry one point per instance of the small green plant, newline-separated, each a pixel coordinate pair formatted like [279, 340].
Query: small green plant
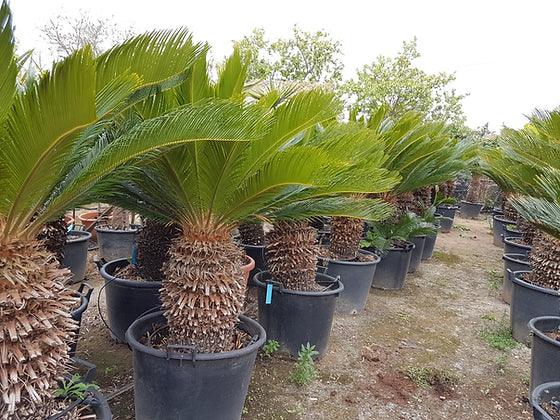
[270, 347]
[305, 371]
[501, 362]
[498, 336]
[429, 376]
[495, 280]
[442, 200]
[74, 388]
[446, 257]
[462, 228]
[489, 317]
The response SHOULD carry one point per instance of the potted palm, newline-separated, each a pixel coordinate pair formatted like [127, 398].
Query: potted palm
[472, 205]
[52, 158]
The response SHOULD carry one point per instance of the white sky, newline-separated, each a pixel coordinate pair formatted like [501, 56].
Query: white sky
[504, 53]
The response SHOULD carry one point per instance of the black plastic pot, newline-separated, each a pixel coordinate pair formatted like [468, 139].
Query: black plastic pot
[116, 244]
[549, 391]
[529, 301]
[170, 385]
[511, 247]
[512, 263]
[75, 254]
[391, 270]
[470, 210]
[295, 318]
[429, 246]
[498, 228]
[447, 211]
[445, 224]
[84, 292]
[356, 277]
[416, 256]
[511, 233]
[545, 352]
[256, 252]
[126, 300]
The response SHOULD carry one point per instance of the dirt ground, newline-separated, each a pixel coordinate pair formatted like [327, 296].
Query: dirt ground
[417, 353]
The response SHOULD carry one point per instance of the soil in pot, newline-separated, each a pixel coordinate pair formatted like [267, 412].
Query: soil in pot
[470, 210]
[75, 254]
[515, 246]
[357, 276]
[529, 301]
[429, 246]
[417, 251]
[545, 400]
[295, 318]
[115, 244]
[498, 229]
[391, 271]
[173, 381]
[545, 350]
[512, 263]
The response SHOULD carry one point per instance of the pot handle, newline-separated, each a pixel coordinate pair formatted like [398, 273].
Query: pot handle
[84, 286]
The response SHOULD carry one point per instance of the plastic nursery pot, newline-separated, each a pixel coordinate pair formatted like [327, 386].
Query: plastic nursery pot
[295, 318]
[512, 247]
[126, 300]
[88, 219]
[171, 385]
[416, 256]
[512, 263]
[84, 293]
[429, 246]
[544, 393]
[75, 254]
[356, 277]
[470, 210]
[391, 270]
[256, 252]
[529, 301]
[116, 244]
[545, 351]
[447, 211]
[445, 224]
[498, 228]
[511, 232]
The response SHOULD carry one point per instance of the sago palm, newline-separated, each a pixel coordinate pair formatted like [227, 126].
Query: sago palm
[53, 156]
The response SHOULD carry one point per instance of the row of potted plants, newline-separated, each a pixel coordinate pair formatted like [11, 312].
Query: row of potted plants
[525, 166]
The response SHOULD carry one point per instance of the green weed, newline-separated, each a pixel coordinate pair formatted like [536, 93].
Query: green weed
[446, 258]
[498, 336]
[270, 347]
[304, 371]
[428, 376]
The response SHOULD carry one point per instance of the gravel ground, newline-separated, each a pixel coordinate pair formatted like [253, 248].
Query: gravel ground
[417, 353]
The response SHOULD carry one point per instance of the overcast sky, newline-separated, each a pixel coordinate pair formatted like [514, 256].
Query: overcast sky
[504, 53]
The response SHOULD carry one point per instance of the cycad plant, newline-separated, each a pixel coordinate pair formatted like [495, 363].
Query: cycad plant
[53, 156]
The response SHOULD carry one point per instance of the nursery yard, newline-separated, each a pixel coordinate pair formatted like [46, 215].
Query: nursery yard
[438, 349]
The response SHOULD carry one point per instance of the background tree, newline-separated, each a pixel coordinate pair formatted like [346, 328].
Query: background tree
[66, 34]
[304, 56]
[395, 82]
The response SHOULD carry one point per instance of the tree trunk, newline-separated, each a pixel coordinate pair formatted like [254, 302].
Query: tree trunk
[545, 261]
[121, 219]
[475, 190]
[346, 234]
[53, 236]
[251, 233]
[528, 230]
[203, 289]
[154, 242]
[291, 255]
[35, 326]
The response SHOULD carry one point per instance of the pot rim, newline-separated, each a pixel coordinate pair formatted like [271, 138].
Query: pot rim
[145, 284]
[538, 391]
[281, 289]
[473, 203]
[512, 257]
[356, 263]
[423, 236]
[133, 229]
[504, 220]
[445, 206]
[83, 236]
[250, 246]
[539, 333]
[163, 354]
[520, 282]
[507, 240]
[84, 301]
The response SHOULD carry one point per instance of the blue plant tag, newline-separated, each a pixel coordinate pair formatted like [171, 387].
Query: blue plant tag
[71, 227]
[134, 256]
[268, 294]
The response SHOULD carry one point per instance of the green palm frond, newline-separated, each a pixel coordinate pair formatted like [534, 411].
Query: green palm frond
[542, 213]
[8, 67]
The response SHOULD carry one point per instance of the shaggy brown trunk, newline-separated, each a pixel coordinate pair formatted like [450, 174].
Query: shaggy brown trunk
[154, 242]
[447, 188]
[35, 326]
[528, 230]
[346, 234]
[251, 233]
[121, 219]
[474, 193]
[545, 261]
[422, 199]
[291, 255]
[203, 289]
[509, 212]
[53, 237]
